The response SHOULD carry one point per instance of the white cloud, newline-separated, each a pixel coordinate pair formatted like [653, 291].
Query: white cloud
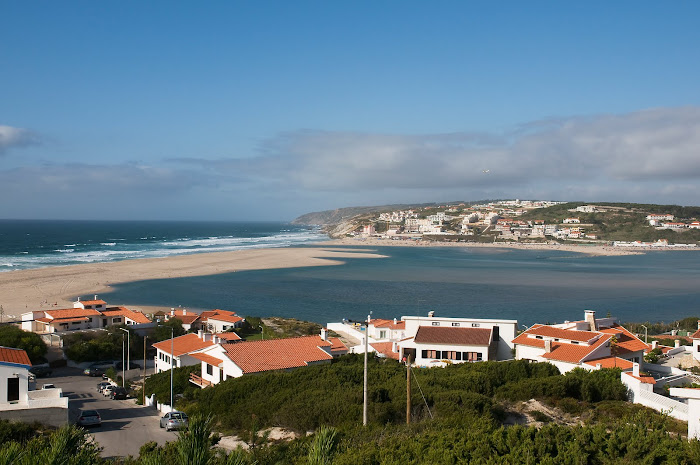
[14, 137]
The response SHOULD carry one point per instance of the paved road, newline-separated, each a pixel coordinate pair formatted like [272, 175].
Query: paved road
[125, 425]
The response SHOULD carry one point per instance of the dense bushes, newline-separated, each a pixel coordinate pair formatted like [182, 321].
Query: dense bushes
[12, 336]
[159, 383]
[102, 345]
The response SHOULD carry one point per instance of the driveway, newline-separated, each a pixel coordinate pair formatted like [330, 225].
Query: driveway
[125, 425]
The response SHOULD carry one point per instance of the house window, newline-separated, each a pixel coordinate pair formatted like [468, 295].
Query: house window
[12, 389]
[475, 325]
[430, 354]
[472, 356]
[574, 342]
[116, 320]
[75, 322]
[449, 354]
[455, 324]
[382, 334]
[89, 320]
[210, 369]
[436, 323]
[538, 337]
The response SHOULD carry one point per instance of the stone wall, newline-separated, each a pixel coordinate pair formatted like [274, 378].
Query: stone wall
[48, 416]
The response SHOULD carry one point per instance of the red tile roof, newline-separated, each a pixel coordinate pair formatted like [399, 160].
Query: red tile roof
[574, 353]
[208, 359]
[337, 346]
[183, 344]
[386, 349]
[277, 354]
[643, 379]
[626, 341]
[92, 302]
[454, 336]
[71, 313]
[225, 317]
[137, 317]
[16, 356]
[382, 323]
[611, 362]
[187, 319]
[696, 334]
[549, 331]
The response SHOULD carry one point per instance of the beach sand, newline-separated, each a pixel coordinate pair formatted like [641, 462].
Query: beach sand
[58, 287]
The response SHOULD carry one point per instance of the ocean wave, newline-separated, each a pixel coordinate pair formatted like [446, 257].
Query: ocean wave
[110, 244]
[64, 250]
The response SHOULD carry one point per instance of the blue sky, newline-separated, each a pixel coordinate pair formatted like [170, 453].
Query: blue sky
[267, 110]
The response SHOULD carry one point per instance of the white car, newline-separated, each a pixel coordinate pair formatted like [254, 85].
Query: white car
[107, 390]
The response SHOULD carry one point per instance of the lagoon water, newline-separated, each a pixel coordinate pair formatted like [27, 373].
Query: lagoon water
[527, 285]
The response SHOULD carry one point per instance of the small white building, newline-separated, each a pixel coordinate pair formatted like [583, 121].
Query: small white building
[179, 352]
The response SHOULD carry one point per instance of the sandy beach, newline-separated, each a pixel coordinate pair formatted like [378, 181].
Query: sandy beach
[58, 287]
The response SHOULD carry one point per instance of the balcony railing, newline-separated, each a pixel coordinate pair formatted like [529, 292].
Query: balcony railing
[199, 381]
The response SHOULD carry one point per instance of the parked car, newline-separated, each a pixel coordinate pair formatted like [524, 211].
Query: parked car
[89, 418]
[48, 386]
[107, 390]
[118, 393]
[102, 385]
[132, 365]
[94, 371]
[40, 371]
[174, 420]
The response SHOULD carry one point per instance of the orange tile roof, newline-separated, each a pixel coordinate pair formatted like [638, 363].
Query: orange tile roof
[228, 336]
[696, 334]
[71, 313]
[183, 344]
[187, 319]
[573, 353]
[208, 359]
[225, 317]
[277, 354]
[643, 379]
[68, 320]
[386, 349]
[138, 317]
[15, 356]
[455, 336]
[382, 323]
[626, 341]
[611, 362]
[92, 302]
[337, 346]
[549, 331]
[44, 320]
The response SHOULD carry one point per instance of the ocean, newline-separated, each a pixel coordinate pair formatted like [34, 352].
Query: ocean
[532, 286]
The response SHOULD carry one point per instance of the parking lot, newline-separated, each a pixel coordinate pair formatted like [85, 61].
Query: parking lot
[125, 425]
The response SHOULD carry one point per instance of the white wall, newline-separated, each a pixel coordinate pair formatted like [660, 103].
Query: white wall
[14, 371]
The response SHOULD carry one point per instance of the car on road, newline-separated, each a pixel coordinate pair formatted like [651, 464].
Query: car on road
[174, 421]
[131, 365]
[89, 418]
[118, 393]
[94, 371]
[102, 385]
[107, 390]
[40, 371]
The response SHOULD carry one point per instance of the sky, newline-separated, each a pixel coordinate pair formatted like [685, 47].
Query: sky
[266, 110]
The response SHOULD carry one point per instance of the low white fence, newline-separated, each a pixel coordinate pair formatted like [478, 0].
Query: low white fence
[673, 408]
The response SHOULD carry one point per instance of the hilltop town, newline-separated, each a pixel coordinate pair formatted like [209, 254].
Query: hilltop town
[524, 221]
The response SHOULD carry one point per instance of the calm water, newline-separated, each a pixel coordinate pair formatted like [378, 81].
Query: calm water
[531, 286]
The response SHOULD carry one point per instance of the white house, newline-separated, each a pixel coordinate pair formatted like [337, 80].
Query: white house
[219, 321]
[589, 343]
[17, 402]
[178, 352]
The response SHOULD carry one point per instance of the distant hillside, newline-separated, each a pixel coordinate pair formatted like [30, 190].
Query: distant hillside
[337, 216]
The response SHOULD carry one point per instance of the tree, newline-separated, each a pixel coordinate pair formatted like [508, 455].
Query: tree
[164, 330]
[12, 336]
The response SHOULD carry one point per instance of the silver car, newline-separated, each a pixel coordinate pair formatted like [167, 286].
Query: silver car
[174, 420]
[89, 418]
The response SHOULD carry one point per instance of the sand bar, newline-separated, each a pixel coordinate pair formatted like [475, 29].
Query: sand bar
[57, 287]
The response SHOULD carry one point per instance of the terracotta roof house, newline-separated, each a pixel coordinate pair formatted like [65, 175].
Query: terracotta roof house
[227, 360]
[180, 351]
[219, 321]
[85, 314]
[590, 343]
[17, 401]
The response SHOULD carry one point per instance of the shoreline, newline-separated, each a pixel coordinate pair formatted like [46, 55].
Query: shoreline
[57, 287]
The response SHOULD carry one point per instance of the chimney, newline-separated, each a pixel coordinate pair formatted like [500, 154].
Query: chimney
[598, 366]
[635, 369]
[677, 343]
[698, 320]
[324, 334]
[172, 312]
[431, 313]
[200, 334]
[394, 320]
[95, 297]
[547, 346]
[654, 344]
[590, 319]
[184, 311]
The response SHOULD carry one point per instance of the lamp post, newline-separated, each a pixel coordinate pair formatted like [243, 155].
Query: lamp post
[128, 345]
[143, 389]
[123, 372]
[262, 332]
[645, 333]
[365, 389]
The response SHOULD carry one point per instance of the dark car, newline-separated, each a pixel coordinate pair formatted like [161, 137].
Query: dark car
[118, 393]
[95, 371]
[41, 371]
[132, 365]
[89, 418]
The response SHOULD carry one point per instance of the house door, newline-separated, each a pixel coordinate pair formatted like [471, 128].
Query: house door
[409, 353]
[12, 389]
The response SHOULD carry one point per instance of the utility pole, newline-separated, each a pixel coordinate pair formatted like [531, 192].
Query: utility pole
[123, 372]
[408, 390]
[143, 390]
[364, 406]
[172, 359]
[128, 358]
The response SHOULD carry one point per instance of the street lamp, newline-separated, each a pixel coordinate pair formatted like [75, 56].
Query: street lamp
[172, 356]
[262, 332]
[128, 345]
[365, 390]
[645, 333]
